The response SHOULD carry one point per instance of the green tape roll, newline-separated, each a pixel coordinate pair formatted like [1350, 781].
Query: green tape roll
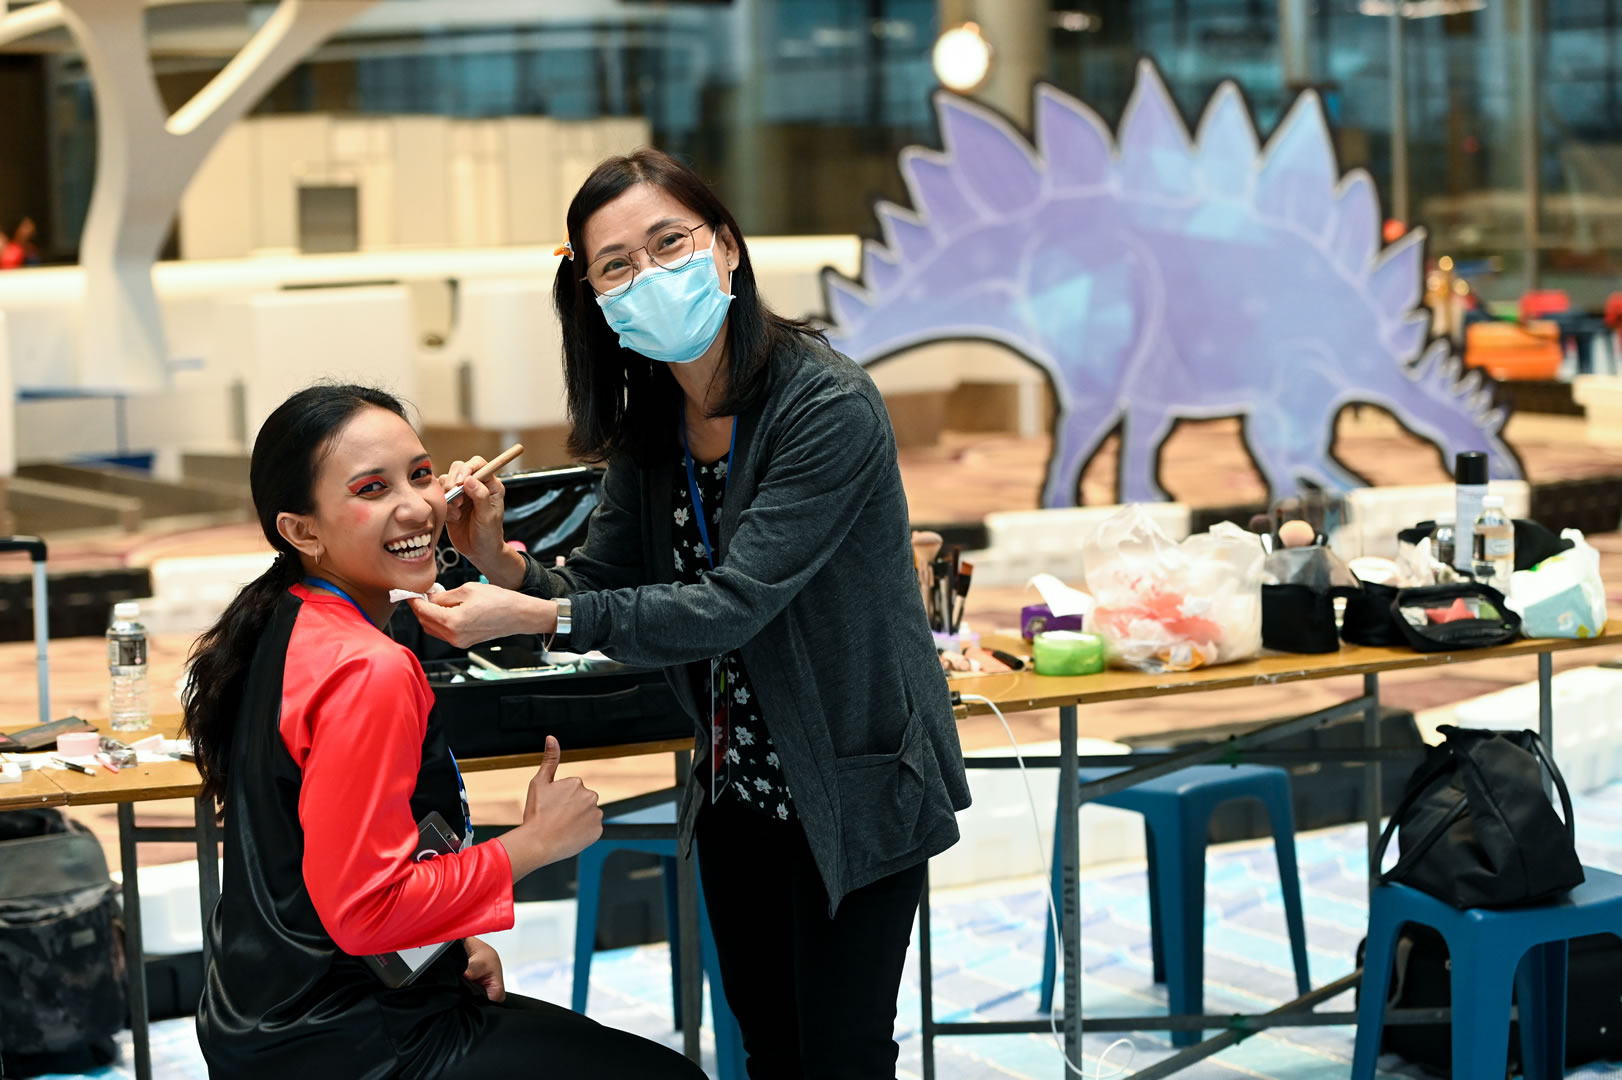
[1068, 652]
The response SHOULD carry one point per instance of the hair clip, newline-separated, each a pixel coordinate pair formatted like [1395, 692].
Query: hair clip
[565, 248]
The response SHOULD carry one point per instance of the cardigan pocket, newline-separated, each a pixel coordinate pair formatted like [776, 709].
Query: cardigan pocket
[881, 799]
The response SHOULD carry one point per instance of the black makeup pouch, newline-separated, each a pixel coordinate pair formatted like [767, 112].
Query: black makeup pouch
[1300, 618]
[1369, 620]
[1460, 615]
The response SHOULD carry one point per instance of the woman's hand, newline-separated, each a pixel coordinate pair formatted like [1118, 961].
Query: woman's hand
[471, 613]
[484, 968]
[561, 818]
[473, 521]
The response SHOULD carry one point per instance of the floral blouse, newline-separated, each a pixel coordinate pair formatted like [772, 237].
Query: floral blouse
[743, 759]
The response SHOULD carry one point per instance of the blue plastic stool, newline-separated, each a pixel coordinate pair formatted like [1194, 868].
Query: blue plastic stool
[729, 1055]
[1176, 811]
[1489, 951]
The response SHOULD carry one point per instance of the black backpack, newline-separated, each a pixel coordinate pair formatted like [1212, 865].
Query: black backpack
[61, 948]
[1478, 830]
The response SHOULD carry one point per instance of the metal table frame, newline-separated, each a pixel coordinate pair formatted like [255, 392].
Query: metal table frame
[1150, 764]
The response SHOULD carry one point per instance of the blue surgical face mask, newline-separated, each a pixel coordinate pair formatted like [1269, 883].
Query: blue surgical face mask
[670, 315]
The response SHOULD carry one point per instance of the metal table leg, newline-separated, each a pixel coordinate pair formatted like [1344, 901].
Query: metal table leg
[1373, 795]
[134, 951]
[1546, 711]
[926, 982]
[692, 960]
[208, 860]
[1070, 864]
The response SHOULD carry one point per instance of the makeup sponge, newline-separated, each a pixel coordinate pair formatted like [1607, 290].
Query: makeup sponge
[1296, 533]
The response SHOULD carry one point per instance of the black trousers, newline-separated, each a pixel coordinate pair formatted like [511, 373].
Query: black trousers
[815, 997]
[525, 1037]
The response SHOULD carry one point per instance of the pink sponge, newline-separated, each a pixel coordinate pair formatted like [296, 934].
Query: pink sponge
[1296, 533]
[78, 744]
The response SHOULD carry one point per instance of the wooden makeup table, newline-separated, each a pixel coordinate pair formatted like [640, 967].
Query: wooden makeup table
[1023, 690]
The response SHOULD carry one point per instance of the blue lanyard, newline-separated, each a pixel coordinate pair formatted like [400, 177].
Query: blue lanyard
[323, 583]
[692, 486]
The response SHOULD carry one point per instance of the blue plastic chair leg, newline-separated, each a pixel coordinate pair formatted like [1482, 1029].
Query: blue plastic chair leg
[1282, 817]
[589, 893]
[1379, 955]
[1541, 995]
[1157, 937]
[1180, 858]
[1482, 987]
[1050, 958]
[667, 869]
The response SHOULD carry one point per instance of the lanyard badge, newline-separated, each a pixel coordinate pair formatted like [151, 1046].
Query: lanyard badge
[720, 692]
[720, 728]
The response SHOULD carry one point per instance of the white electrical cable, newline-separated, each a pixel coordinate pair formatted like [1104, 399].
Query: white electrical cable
[1053, 912]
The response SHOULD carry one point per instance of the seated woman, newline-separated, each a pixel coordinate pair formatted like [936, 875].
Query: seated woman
[312, 728]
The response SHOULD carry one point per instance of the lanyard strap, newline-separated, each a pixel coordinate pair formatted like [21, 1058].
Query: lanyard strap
[692, 486]
[323, 583]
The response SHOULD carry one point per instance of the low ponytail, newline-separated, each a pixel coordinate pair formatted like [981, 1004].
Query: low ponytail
[286, 456]
[218, 669]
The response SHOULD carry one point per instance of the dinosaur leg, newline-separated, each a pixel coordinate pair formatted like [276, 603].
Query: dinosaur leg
[1076, 437]
[1141, 437]
[1289, 456]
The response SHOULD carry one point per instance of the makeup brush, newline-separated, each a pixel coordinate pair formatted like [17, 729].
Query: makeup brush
[925, 546]
[965, 578]
[490, 469]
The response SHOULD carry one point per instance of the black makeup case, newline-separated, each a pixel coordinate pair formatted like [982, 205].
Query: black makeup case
[485, 713]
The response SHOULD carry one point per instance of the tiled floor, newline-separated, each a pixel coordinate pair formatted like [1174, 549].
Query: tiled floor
[988, 958]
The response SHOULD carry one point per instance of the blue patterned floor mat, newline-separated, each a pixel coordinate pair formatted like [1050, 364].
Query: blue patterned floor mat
[988, 959]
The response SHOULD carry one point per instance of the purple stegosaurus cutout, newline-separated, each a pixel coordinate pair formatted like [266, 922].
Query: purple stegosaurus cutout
[1162, 278]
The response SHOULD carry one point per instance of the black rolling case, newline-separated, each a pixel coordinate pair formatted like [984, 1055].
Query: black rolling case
[606, 705]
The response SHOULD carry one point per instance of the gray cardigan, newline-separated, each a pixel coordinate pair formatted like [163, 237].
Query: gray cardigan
[815, 585]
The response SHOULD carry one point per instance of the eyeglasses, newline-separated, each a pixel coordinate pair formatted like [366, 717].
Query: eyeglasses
[671, 249]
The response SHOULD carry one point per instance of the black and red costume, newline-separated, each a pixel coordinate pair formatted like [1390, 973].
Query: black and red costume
[333, 761]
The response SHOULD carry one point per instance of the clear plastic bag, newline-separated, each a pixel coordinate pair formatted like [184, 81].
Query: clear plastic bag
[1165, 606]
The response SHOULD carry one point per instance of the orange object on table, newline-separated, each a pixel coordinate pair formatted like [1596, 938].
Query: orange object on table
[1530, 351]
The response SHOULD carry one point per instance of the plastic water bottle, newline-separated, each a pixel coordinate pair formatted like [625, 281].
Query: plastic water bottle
[128, 703]
[1443, 540]
[1495, 545]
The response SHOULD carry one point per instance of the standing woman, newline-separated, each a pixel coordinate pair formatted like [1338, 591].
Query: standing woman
[753, 540]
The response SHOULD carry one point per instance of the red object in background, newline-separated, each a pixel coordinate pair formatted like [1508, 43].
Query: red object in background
[12, 256]
[1613, 311]
[1543, 303]
[1393, 230]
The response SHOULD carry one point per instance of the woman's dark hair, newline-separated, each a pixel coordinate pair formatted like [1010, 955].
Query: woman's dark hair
[622, 404]
[286, 454]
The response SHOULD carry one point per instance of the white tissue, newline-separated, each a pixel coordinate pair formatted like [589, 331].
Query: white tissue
[397, 595]
[1060, 598]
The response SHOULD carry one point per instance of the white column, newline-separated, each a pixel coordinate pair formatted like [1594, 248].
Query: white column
[146, 157]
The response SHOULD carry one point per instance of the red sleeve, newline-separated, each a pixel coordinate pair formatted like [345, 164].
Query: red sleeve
[360, 749]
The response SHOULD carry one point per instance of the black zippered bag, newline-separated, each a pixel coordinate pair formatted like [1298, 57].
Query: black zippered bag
[1477, 830]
